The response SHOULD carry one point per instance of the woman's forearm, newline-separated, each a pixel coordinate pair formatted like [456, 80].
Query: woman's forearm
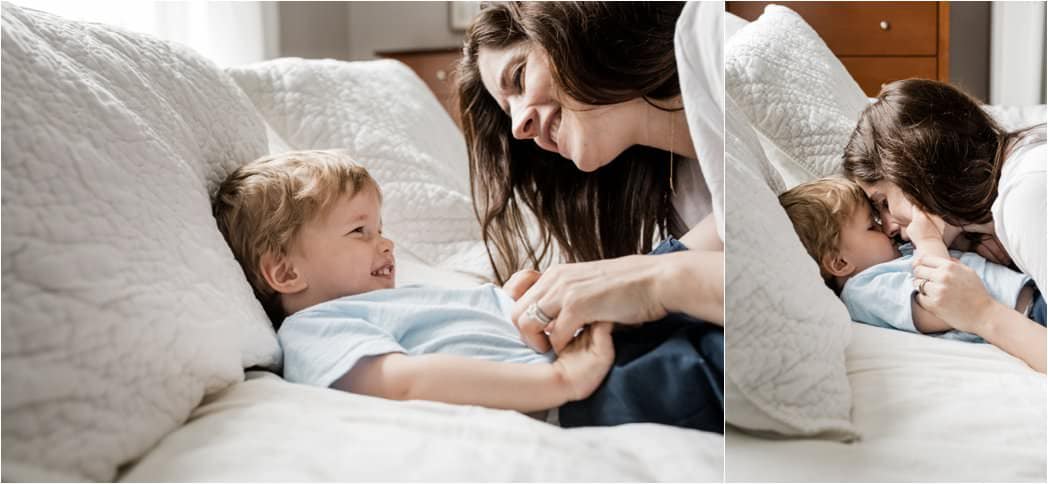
[1012, 332]
[704, 236]
[693, 283]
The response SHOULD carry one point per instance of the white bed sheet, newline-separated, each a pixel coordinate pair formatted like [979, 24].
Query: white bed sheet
[928, 410]
[267, 429]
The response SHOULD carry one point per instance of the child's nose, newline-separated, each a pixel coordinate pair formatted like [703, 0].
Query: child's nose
[386, 245]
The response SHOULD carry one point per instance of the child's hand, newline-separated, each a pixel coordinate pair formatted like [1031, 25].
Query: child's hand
[584, 363]
[925, 226]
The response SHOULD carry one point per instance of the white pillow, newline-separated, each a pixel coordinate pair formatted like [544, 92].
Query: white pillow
[390, 122]
[799, 97]
[785, 371]
[122, 304]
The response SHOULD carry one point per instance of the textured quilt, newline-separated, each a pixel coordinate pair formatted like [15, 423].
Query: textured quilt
[122, 304]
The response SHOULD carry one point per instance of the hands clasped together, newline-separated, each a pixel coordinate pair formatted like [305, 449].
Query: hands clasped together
[581, 299]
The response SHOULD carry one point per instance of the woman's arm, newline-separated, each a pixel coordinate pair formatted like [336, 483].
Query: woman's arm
[1010, 331]
[472, 381]
[956, 294]
[704, 236]
[927, 322]
[693, 285]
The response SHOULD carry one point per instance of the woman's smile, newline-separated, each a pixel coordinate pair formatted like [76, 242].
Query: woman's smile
[554, 128]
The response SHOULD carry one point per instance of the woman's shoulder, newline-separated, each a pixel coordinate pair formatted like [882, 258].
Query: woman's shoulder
[1028, 160]
[692, 199]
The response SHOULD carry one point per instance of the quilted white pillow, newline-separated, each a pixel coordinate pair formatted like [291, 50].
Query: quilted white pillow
[122, 304]
[786, 371]
[798, 95]
[390, 122]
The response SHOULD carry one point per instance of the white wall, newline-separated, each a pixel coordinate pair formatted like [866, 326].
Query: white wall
[229, 33]
[383, 26]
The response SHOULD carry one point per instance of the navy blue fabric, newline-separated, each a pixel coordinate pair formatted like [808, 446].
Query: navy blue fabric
[669, 371]
[1037, 311]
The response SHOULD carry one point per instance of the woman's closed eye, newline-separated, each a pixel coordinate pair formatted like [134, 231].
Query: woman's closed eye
[518, 77]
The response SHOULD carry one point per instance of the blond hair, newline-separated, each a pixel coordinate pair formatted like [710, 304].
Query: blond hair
[818, 210]
[261, 207]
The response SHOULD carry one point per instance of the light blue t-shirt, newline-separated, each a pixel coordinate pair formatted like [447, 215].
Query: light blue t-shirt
[882, 295]
[323, 342]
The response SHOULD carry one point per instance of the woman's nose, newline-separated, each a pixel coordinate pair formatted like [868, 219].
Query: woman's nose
[890, 228]
[525, 124]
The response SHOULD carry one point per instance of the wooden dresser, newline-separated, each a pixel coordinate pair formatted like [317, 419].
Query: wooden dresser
[436, 67]
[878, 42]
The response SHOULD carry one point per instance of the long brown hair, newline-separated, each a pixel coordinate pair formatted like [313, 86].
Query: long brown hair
[938, 145]
[600, 53]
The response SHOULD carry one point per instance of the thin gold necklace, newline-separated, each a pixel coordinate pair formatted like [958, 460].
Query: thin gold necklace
[673, 190]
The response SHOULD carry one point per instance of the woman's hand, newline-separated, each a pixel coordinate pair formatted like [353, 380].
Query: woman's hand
[574, 295]
[584, 363]
[519, 282]
[954, 293]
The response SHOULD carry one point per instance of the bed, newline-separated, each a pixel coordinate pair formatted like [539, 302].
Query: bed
[133, 348]
[919, 408]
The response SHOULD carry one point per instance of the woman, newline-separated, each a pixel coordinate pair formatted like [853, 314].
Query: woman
[573, 114]
[925, 148]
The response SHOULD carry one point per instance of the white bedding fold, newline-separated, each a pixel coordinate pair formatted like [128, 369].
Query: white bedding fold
[266, 429]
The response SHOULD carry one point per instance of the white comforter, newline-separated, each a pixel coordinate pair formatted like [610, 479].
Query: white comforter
[268, 429]
[928, 410]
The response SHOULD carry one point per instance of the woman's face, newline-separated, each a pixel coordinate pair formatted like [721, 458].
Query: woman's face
[892, 206]
[520, 81]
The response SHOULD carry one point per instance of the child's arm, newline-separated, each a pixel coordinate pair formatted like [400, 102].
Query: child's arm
[927, 237]
[578, 371]
[926, 322]
[926, 233]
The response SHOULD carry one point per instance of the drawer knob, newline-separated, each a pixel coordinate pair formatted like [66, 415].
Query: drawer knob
[442, 75]
[885, 25]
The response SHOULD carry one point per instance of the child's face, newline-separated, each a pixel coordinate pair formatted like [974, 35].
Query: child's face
[342, 251]
[863, 242]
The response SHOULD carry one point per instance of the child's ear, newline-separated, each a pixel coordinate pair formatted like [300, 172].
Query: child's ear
[281, 275]
[837, 265]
